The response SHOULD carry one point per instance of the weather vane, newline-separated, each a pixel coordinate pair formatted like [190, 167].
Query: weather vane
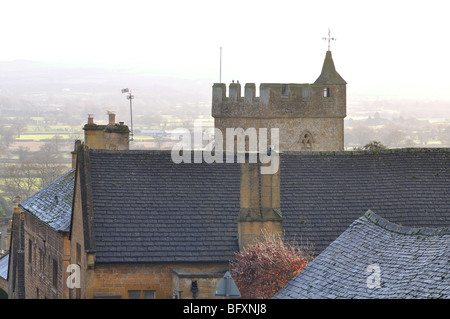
[329, 38]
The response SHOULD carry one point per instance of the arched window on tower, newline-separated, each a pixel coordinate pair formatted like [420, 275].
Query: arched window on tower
[306, 141]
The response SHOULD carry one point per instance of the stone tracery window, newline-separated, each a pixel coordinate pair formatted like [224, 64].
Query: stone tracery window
[306, 141]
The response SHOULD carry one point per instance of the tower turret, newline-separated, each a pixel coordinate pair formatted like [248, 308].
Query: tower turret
[329, 75]
[309, 116]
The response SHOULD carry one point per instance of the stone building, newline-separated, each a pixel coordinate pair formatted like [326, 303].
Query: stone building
[44, 238]
[143, 226]
[16, 267]
[40, 246]
[308, 116]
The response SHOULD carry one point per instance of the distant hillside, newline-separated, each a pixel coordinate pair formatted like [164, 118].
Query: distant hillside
[26, 85]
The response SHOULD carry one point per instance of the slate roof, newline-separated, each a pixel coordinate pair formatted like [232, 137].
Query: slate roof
[53, 204]
[410, 262]
[4, 264]
[148, 209]
[322, 193]
[329, 75]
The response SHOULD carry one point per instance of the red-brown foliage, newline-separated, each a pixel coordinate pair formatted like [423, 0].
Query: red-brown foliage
[267, 266]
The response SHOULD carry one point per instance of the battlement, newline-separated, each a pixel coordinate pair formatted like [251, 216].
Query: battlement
[279, 100]
[325, 98]
[309, 116]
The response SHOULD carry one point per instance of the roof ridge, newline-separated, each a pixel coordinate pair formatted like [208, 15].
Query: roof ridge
[350, 152]
[104, 151]
[405, 230]
[366, 152]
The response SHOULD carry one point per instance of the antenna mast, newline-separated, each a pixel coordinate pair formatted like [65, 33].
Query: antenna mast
[220, 69]
[130, 97]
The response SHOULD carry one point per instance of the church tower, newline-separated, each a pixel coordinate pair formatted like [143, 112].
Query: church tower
[310, 117]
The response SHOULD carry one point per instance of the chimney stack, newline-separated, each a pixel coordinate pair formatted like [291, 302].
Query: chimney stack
[17, 209]
[255, 220]
[74, 153]
[110, 137]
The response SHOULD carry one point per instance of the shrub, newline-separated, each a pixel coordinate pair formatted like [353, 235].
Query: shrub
[265, 267]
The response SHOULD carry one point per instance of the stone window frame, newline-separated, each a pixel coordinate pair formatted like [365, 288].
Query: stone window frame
[306, 138]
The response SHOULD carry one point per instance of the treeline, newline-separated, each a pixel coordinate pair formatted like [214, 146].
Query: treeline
[397, 132]
[30, 172]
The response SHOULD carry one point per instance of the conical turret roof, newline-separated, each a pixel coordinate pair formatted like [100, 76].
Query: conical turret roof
[329, 74]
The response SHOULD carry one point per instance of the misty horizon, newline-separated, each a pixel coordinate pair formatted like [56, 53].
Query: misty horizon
[384, 49]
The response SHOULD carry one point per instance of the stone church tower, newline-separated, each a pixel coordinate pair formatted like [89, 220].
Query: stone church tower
[309, 116]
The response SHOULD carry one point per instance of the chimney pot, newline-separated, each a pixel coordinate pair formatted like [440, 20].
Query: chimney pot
[112, 118]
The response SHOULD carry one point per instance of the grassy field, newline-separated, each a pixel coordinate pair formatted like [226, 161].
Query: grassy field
[46, 136]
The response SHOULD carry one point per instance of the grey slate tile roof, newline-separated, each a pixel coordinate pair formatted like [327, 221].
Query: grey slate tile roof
[53, 204]
[322, 193]
[4, 264]
[412, 263]
[148, 209]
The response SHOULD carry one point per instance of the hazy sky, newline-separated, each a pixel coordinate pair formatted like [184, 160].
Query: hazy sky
[383, 48]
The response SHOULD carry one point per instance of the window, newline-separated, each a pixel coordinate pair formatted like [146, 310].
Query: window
[107, 296]
[55, 273]
[78, 254]
[41, 261]
[306, 141]
[305, 92]
[75, 293]
[138, 294]
[30, 250]
[284, 90]
[149, 294]
[134, 294]
[326, 92]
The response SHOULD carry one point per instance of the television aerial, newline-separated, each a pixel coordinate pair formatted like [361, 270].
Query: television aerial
[130, 97]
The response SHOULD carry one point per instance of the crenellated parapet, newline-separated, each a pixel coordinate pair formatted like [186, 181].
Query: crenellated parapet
[308, 116]
[279, 100]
